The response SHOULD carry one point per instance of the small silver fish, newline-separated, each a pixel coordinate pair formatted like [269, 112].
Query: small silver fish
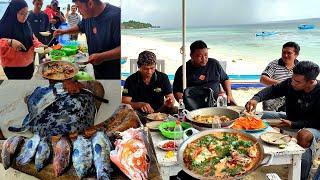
[101, 147]
[28, 150]
[42, 155]
[82, 156]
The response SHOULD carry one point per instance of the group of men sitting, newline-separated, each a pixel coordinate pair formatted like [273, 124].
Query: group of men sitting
[292, 93]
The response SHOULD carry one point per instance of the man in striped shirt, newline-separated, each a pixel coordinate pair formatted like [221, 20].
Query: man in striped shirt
[73, 20]
[278, 71]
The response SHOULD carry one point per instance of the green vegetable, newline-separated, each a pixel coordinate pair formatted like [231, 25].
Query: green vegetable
[245, 144]
[229, 137]
[234, 171]
[242, 151]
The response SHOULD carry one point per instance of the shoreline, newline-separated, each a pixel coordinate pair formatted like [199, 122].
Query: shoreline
[170, 52]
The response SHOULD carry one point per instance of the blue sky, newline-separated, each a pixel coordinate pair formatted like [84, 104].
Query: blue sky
[167, 13]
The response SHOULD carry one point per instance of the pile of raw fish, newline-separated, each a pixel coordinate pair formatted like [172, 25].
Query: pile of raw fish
[87, 154]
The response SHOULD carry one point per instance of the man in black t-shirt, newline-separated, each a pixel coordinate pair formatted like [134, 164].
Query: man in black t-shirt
[302, 97]
[101, 24]
[39, 21]
[202, 71]
[146, 89]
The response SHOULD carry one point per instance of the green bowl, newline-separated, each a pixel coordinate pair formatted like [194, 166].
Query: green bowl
[81, 75]
[70, 50]
[171, 134]
[57, 55]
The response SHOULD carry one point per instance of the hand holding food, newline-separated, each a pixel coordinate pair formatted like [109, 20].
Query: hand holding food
[251, 105]
[146, 107]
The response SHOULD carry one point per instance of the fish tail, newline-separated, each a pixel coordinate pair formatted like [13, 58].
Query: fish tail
[103, 174]
[39, 167]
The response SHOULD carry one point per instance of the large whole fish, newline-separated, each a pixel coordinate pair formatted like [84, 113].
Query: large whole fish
[62, 151]
[101, 146]
[52, 108]
[82, 156]
[28, 150]
[131, 155]
[9, 149]
[43, 154]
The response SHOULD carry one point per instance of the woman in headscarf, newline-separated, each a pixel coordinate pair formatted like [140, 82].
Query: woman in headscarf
[17, 42]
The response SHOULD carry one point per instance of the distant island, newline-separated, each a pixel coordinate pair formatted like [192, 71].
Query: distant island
[136, 25]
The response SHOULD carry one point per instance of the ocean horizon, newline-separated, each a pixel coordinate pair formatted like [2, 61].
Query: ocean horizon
[240, 42]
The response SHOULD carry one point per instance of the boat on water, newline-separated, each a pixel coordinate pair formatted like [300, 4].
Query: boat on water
[306, 26]
[265, 33]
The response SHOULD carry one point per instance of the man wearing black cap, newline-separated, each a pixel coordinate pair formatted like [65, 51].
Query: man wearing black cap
[202, 71]
[101, 24]
[146, 89]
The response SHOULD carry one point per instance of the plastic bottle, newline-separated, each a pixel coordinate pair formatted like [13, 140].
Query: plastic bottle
[178, 134]
[222, 100]
[180, 110]
[64, 39]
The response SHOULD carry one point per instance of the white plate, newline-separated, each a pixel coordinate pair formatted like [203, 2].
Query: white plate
[275, 138]
[161, 143]
[45, 33]
[153, 125]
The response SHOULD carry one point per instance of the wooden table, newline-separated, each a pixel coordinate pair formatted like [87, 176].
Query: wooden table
[290, 155]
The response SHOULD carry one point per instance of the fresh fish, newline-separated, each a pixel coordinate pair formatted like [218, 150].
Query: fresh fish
[17, 141]
[101, 147]
[28, 150]
[131, 154]
[82, 156]
[41, 98]
[5, 154]
[62, 152]
[52, 108]
[9, 148]
[42, 155]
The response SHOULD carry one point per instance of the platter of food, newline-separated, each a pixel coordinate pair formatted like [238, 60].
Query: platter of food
[220, 154]
[204, 117]
[249, 124]
[275, 138]
[58, 70]
[157, 116]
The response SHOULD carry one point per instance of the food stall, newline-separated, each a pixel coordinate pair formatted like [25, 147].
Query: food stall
[73, 54]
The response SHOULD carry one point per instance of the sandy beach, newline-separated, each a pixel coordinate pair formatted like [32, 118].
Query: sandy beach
[131, 46]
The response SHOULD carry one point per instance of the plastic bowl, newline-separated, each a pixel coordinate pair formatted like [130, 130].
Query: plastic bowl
[70, 50]
[57, 55]
[81, 75]
[171, 134]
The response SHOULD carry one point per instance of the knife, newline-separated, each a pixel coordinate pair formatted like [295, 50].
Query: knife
[87, 91]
